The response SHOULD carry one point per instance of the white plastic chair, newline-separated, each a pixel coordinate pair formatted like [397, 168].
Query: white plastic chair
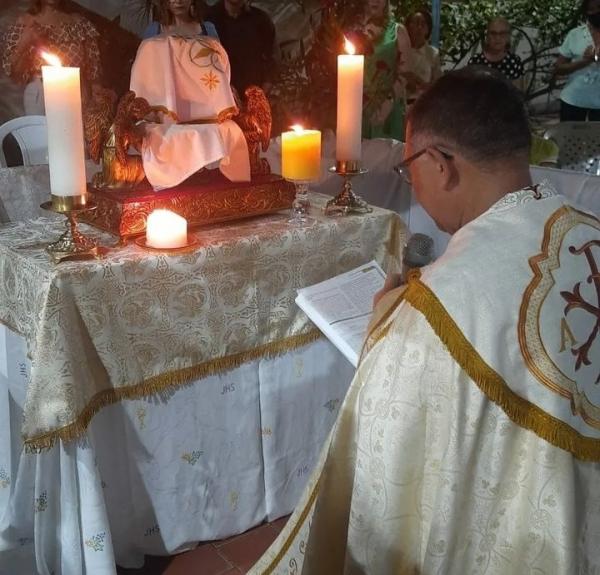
[578, 145]
[31, 134]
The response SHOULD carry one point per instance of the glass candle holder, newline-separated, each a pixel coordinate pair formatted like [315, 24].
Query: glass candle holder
[301, 204]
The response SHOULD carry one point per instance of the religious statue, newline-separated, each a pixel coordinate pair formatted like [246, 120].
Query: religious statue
[110, 134]
[255, 121]
[180, 115]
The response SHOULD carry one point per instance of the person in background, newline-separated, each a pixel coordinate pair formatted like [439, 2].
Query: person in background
[248, 36]
[579, 58]
[179, 17]
[496, 53]
[543, 152]
[425, 59]
[46, 26]
[386, 66]
[467, 442]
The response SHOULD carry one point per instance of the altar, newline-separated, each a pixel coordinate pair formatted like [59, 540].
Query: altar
[150, 401]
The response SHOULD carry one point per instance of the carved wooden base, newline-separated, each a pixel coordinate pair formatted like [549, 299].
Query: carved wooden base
[204, 198]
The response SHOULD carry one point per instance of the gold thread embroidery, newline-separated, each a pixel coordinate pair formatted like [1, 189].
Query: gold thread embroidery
[531, 306]
[534, 264]
[566, 335]
[519, 410]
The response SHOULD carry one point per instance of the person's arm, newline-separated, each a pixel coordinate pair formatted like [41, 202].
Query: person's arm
[19, 42]
[565, 66]
[568, 60]
[403, 72]
[404, 51]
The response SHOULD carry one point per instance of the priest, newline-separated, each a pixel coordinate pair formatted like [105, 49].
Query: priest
[469, 441]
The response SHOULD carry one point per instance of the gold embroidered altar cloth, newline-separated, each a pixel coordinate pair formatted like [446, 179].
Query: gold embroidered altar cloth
[137, 322]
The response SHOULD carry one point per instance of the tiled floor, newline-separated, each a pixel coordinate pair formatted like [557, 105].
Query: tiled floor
[227, 557]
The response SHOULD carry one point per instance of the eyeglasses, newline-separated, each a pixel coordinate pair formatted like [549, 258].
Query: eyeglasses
[402, 168]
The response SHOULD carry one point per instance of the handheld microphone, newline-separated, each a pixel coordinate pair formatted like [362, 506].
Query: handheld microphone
[417, 253]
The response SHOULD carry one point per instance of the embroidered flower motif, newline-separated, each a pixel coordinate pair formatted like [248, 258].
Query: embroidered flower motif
[298, 366]
[193, 457]
[4, 479]
[540, 519]
[41, 502]
[96, 543]
[332, 405]
[210, 80]
[141, 416]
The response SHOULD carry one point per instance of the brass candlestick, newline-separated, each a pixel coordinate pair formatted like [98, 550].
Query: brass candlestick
[347, 202]
[72, 244]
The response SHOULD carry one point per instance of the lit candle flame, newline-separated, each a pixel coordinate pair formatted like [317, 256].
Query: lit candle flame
[52, 59]
[297, 128]
[349, 47]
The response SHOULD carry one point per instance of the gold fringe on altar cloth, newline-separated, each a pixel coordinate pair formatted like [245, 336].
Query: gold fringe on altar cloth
[164, 382]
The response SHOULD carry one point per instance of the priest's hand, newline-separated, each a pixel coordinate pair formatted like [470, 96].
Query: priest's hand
[392, 281]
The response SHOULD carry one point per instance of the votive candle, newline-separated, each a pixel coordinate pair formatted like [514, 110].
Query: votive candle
[301, 154]
[166, 229]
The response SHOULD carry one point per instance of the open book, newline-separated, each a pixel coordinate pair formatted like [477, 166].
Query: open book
[341, 307]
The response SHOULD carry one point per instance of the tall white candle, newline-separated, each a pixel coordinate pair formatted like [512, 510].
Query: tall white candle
[349, 105]
[66, 157]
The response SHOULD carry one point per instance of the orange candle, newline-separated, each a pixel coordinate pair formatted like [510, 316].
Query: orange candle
[301, 154]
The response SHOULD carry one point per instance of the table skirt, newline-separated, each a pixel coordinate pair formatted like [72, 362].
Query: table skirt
[156, 475]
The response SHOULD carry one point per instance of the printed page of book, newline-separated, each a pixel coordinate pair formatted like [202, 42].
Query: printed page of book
[341, 307]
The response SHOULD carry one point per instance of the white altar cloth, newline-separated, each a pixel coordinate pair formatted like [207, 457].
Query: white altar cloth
[206, 460]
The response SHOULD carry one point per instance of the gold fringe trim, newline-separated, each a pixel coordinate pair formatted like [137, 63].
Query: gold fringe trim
[519, 410]
[161, 383]
[294, 532]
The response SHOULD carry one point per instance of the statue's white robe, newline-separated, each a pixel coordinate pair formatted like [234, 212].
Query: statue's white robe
[449, 455]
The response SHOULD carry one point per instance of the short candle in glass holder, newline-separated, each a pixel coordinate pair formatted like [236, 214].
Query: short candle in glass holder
[166, 230]
[301, 164]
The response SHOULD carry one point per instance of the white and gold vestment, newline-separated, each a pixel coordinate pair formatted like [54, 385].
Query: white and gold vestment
[469, 441]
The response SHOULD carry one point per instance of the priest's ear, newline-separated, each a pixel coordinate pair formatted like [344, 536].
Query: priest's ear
[446, 168]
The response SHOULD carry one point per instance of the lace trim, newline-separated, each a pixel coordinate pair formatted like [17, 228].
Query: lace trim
[539, 191]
